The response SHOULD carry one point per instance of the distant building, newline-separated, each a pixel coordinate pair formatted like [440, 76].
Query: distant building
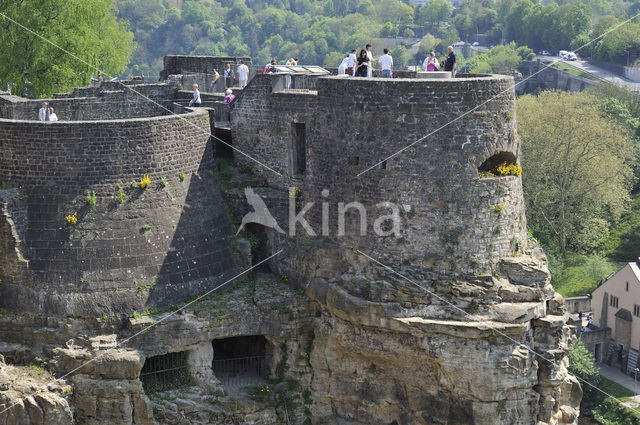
[616, 305]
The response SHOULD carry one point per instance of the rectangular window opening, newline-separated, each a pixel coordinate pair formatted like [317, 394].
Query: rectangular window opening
[299, 149]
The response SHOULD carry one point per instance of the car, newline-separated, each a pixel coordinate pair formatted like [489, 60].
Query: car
[476, 44]
[544, 53]
[571, 56]
[563, 54]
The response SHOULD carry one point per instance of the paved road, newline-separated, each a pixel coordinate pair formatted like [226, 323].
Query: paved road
[602, 73]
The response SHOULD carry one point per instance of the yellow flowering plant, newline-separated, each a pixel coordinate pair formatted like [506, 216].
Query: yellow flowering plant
[501, 170]
[145, 181]
[72, 220]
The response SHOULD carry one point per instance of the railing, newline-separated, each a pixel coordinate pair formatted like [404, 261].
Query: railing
[241, 371]
[165, 372]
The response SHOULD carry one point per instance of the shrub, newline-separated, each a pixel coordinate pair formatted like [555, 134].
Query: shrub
[91, 198]
[582, 366]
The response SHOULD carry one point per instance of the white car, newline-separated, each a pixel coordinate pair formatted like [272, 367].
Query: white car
[544, 53]
[476, 44]
[571, 56]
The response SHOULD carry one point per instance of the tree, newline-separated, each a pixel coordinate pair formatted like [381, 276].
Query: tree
[85, 28]
[583, 367]
[576, 164]
[434, 12]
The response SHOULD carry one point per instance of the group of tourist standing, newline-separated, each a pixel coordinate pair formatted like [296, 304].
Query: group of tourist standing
[47, 113]
[362, 65]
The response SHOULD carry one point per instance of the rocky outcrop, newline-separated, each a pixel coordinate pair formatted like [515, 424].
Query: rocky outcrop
[31, 396]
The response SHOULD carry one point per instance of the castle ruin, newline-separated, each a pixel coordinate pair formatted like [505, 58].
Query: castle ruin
[451, 320]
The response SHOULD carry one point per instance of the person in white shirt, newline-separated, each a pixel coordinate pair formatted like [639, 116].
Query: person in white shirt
[243, 74]
[43, 114]
[371, 60]
[52, 115]
[386, 64]
[195, 100]
[342, 68]
[351, 64]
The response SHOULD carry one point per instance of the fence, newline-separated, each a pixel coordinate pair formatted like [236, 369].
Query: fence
[242, 371]
[161, 373]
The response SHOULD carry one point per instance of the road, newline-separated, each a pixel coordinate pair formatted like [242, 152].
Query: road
[602, 73]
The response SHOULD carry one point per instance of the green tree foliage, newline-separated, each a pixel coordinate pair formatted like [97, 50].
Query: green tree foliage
[547, 27]
[499, 60]
[614, 45]
[583, 367]
[576, 165]
[85, 28]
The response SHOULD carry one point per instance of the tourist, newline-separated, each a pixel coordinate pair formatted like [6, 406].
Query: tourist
[371, 60]
[273, 68]
[342, 68]
[43, 114]
[351, 65]
[386, 64]
[363, 64]
[431, 62]
[214, 81]
[227, 102]
[243, 74]
[195, 100]
[287, 78]
[229, 77]
[450, 64]
[52, 115]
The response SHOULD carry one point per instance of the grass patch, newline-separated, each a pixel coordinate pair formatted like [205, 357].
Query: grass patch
[575, 71]
[623, 243]
[615, 389]
[572, 277]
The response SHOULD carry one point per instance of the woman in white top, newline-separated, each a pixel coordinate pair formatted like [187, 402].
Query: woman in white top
[52, 115]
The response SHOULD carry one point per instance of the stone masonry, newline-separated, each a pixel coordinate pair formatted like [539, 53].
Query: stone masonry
[450, 321]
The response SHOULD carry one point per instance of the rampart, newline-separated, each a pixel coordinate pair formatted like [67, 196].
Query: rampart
[135, 248]
[109, 101]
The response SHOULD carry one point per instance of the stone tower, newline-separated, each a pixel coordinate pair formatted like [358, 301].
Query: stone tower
[454, 319]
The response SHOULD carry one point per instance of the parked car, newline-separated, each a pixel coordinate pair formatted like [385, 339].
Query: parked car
[563, 54]
[544, 53]
[476, 44]
[571, 56]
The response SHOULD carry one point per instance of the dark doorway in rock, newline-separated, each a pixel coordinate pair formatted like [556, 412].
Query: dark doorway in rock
[166, 372]
[241, 360]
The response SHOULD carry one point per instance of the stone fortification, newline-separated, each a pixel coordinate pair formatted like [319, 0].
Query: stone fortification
[466, 329]
[454, 342]
[135, 248]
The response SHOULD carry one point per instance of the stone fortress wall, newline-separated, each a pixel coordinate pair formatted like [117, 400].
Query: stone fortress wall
[354, 343]
[154, 248]
[463, 239]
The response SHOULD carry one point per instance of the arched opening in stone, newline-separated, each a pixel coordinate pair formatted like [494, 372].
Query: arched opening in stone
[496, 160]
[241, 360]
[165, 372]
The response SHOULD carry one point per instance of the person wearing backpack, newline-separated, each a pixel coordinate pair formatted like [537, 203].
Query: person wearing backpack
[229, 77]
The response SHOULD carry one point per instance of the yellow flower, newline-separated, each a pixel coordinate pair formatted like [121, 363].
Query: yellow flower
[145, 181]
[72, 220]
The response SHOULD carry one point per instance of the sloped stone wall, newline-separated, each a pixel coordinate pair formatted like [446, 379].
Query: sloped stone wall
[158, 246]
